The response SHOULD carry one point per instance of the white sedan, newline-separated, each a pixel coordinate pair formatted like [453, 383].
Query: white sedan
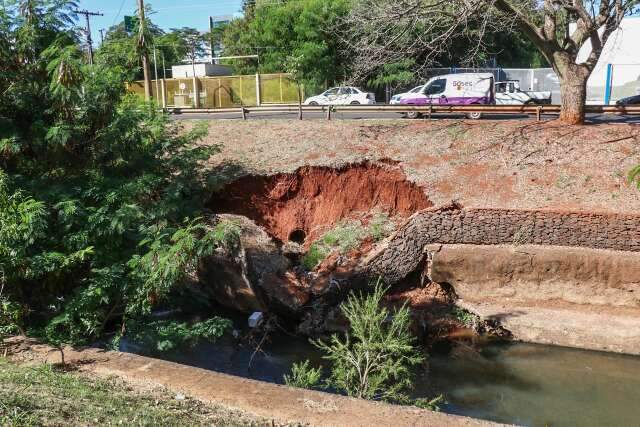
[395, 99]
[342, 96]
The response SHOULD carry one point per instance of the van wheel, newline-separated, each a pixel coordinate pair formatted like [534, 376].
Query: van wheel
[412, 115]
[476, 115]
[313, 103]
[355, 103]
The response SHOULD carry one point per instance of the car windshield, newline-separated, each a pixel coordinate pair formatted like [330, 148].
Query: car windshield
[332, 91]
[416, 89]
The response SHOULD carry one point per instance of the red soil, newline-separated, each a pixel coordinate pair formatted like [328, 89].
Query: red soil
[313, 199]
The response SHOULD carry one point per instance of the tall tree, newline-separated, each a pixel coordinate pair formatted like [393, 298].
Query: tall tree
[391, 30]
[548, 25]
[302, 29]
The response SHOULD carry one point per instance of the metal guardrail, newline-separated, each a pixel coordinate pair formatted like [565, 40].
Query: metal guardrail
[427, 110]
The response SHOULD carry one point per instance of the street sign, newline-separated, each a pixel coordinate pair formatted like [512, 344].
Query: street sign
[130, 23]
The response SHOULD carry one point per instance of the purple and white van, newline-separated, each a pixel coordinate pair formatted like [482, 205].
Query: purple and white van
[455, 89]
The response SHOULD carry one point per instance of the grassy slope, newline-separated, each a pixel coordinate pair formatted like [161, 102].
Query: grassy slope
[485, 163]
[43, 395]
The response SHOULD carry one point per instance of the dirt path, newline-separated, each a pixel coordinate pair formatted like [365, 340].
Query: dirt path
[283, 405]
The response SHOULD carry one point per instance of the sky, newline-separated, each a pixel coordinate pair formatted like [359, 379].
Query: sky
[168, 13]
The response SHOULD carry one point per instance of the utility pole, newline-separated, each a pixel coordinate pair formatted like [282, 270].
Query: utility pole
[101, 36]
[87, 14]
[145, 55]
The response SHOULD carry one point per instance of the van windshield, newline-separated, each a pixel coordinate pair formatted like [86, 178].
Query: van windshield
[436, 87]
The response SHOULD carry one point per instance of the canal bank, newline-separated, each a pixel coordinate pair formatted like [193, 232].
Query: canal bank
[281, 404]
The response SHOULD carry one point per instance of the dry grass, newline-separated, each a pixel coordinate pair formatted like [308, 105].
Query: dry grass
[514, 164]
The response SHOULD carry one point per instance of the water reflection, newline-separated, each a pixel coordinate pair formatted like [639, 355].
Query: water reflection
[538, 385]
[525, 384]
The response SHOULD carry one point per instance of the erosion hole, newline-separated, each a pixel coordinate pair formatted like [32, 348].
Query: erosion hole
[297, 236]
[300, 206]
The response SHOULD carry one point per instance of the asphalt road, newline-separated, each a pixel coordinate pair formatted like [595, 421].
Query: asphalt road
[591, 118]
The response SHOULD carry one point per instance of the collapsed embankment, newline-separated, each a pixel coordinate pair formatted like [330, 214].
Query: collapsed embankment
[535, 227]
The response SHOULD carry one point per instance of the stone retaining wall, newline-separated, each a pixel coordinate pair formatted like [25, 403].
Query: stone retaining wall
[502, 226]
[455, 225]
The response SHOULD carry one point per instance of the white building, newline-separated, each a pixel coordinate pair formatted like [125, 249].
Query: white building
[201, 70]
[619, 65]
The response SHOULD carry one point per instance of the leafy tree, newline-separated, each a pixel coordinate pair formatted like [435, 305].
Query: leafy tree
[388, 31]
[299, 29]
[191, 42]
[100, 195]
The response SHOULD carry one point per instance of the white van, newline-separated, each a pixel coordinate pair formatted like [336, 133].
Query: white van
[455, 89]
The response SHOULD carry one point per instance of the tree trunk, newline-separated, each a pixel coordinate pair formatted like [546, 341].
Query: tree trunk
[573, 94]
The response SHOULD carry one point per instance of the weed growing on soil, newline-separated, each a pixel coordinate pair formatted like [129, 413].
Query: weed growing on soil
[303, 375]
[465, 317]
[345, 236]
[45, 396]
[380, 226]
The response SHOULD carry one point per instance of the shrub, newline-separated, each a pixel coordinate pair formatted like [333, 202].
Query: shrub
[303, 375]
[376, 357]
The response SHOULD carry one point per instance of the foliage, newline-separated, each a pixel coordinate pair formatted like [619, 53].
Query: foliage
[303, 375]
[298, 29]
[121, 48]
[634, 176]
[464, 316]
[43, 395]
[167, 335]
[375, 359]
[345, 236]
[430, 404]
[380, 226]
[100, 195]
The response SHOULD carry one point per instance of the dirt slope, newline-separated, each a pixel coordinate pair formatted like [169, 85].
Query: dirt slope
[501, 164]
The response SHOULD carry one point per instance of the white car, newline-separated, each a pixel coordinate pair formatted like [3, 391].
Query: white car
[345, 95]
[395, 99]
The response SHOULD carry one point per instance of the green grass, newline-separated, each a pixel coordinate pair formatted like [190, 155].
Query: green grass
[345, 236]
[45, 396]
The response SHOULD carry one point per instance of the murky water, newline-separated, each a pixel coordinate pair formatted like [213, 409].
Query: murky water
[537, 385]
[525, 384]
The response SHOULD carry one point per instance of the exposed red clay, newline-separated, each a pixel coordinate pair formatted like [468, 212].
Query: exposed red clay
[313, 199]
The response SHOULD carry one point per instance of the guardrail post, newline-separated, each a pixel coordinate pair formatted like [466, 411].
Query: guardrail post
[329, 112]
[538, 110]
[430, 109]
[244, 113]
[163, 86]
[258, 94]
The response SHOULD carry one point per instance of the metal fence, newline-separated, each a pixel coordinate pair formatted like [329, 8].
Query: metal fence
[222, 92]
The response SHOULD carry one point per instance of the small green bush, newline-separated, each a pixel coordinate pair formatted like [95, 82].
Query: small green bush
[345, 236]
[376, 358]
[303, 375]
[380, 226]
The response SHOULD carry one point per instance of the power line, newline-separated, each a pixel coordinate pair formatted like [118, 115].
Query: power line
[87, 14]
[119, 11]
